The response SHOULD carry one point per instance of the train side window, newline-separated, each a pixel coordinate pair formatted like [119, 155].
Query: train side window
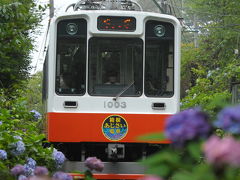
[115, 63]
[159, 59]
[45, 79]
[71, 57]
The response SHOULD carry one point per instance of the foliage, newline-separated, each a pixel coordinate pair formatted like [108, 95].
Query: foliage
[200, 154]
[214, 64]
[187, 64]
[18, 21]
[33, 92]
[20, 136]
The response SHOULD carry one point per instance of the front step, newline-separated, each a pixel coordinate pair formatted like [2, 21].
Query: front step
[112, 170]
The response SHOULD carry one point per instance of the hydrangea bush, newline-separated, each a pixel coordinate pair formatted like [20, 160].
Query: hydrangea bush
[21, 142]
[198, 151]
[201, 148]
[22, 154]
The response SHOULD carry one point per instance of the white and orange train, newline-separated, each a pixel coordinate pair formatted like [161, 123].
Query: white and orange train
[110, 76]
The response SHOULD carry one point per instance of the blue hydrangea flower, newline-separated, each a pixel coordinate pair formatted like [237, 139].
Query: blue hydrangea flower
[3, 155]
[58, 157]
[18, 138]
[1, 123]
[28, 171]
[18, 148]
[187, 125]
[36, 114]
[29, 167]
[22, 177]
[61, 176]
[229, 119]
[31, 163]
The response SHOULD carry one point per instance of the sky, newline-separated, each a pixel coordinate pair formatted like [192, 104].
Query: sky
[37, 54]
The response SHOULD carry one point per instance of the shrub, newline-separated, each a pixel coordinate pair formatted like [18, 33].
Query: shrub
[199, 150]
[21, 141]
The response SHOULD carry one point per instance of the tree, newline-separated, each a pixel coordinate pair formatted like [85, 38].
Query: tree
[215, 63]
[18, 20]
[33, 93]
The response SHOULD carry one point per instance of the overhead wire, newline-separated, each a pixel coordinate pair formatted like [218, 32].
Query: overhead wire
[202, 12]
[175, 14]
[43, 44]
[204, 27]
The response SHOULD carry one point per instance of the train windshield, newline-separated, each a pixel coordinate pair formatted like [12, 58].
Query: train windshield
[71, 57]
[159, 59]
[114, 64]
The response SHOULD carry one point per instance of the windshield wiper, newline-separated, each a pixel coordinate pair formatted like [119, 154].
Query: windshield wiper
[126, 88]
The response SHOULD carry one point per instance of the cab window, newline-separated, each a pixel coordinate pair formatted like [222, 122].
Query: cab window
[115, 65]
[71, 57]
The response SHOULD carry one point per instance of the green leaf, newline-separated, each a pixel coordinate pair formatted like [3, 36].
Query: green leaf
[160, 170]
[200, 172]
[194, 149]
[182, 176]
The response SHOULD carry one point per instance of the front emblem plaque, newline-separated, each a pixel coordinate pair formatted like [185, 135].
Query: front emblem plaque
[115, 127]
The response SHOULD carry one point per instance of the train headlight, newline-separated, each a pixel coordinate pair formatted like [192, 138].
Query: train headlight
[159, 30]
[72, 28]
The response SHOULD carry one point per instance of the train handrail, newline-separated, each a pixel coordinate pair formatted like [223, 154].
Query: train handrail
[105, 5]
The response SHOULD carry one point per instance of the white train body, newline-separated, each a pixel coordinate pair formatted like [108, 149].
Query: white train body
[85, 112]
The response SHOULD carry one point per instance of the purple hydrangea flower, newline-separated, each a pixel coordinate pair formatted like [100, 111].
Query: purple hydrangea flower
[17, 170]
[187, 125]
[222, 151]
[18, 148]
[22, 177]
[58, 157]
[229, 120]
[36, 114]
[40, 171]
[94, 164]
[3, 155]
[61, 176]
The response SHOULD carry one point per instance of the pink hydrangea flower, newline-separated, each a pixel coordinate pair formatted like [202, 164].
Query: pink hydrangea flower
[222, 151]
[94, 164]
[150, 178]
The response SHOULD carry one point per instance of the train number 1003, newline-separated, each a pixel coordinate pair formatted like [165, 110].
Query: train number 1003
[110, 104]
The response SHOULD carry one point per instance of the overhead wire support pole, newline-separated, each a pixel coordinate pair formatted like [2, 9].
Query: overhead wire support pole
[196, 31]
[159, 7]
[182, 8]
[51, 9]
[51, 15]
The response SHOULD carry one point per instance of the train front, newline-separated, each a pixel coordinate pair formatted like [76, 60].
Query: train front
[110, 77]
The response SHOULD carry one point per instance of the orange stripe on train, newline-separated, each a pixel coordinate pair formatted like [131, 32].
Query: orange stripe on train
[88, 127]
